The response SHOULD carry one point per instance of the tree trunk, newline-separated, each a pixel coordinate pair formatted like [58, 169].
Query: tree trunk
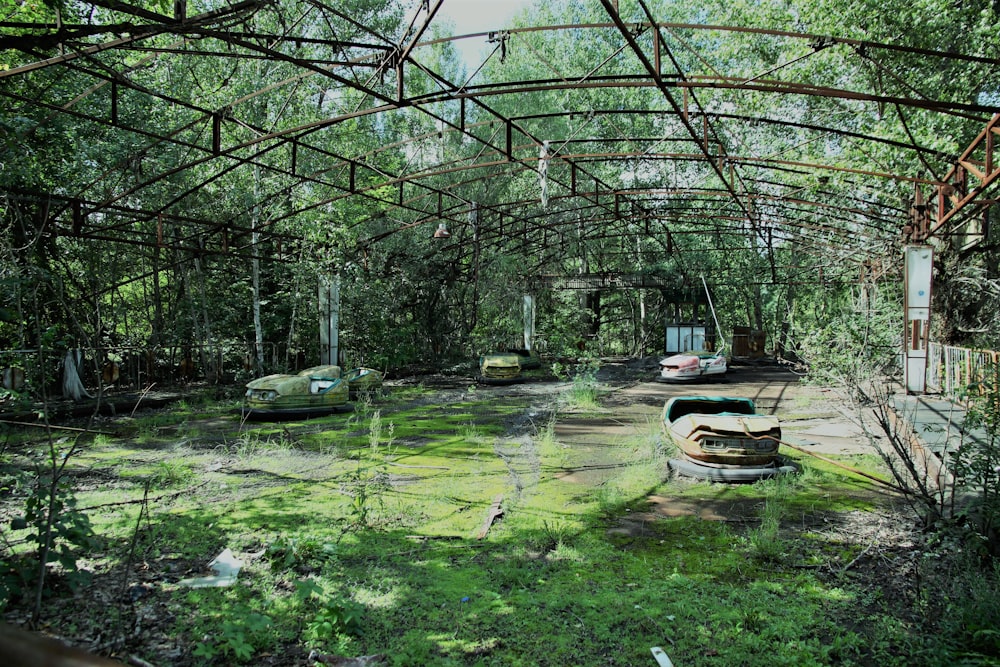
[258, 328]
[786, 323]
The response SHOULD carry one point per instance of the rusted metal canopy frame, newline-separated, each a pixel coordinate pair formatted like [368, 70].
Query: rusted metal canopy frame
[440, 172]
[955, 194]
[249, 161]
[252, 160]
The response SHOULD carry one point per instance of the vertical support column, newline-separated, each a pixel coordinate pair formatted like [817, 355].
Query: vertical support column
[528, 303]
[918, 263]
[508, 131]
[329, 319]
[216, 133]
[656, 51]
[77, 217]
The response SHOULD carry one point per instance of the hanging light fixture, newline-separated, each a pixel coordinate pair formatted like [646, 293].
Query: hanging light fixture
[442, 231]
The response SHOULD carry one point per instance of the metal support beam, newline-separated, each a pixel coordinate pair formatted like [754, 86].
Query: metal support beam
[979, 159]
[216, 133]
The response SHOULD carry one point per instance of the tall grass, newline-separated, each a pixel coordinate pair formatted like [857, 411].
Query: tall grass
[582, 393]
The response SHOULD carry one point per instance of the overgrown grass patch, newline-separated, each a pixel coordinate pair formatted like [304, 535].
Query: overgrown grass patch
[371, 533]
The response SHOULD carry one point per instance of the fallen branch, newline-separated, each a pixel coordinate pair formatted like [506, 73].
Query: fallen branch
[846, 467]
[858, 557]
[143, 500]
[55, 426]
[142, 396]
[494, 512]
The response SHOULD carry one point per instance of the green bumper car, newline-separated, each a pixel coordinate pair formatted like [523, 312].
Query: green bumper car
[363, 381]
[500, 368]
[529, 359]
[314, 392]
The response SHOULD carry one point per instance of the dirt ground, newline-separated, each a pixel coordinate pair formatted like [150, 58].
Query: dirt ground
[815, 418]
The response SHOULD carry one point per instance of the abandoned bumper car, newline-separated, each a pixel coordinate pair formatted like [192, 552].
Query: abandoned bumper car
[693, 366]
[363, 381]
[500, 368]
[314, 392]
[528, 359]
[723, 439]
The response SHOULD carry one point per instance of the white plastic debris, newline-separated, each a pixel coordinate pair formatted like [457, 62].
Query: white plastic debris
[226, 568]
[661, 658]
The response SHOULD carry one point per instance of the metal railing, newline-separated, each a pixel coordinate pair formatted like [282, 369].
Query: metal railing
[135, 366]
[952, 370]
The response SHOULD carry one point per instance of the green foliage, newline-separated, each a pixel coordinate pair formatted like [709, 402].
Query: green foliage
[333, 618]
[59, 535]
[975, 463]
[329, 618]
[857, 344]
[236, 640]
[301, 554]
[960, 594]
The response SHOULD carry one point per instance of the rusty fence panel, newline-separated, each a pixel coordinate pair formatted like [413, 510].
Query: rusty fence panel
[138, 367]
[952, 370]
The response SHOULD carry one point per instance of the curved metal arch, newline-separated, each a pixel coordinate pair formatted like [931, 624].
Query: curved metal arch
[709, 27]
[265, 143]
[299, 129]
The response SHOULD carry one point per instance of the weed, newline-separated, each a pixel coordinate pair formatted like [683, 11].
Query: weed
[334, 617]
[250, 444]
[58, 531]
[551, 537]
[170, 473]
[237, 640]
[582, 394]
[305, 553]
[765, 540]
[329, 618]
[370, 479]
[471, 433]
[549, 448]
[146, 434]
[610, 500]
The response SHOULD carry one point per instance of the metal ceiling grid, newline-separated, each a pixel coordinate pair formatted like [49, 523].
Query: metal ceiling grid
[660, 133]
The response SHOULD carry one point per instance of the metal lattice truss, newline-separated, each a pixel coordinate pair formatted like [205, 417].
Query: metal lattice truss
[359, 129]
